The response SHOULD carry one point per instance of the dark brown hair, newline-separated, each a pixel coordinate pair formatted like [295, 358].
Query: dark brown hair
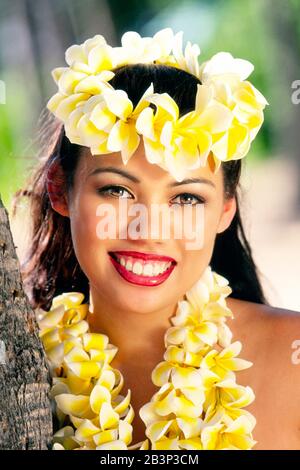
[51, 266]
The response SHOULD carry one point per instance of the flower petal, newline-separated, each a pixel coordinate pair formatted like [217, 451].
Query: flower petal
[98, 397]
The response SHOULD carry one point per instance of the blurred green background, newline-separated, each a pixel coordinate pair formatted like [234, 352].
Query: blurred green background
[35, 34]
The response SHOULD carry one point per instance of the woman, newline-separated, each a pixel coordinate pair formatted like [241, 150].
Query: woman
[76, 177]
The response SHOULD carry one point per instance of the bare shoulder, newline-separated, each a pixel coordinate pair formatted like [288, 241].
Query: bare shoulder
[270, 338]
[266, 317]
[273, 337]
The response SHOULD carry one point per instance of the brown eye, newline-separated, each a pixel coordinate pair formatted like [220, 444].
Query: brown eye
[113, 190]
[186, 199]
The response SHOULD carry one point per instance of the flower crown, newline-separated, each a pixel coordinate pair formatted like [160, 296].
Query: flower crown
[227, 116]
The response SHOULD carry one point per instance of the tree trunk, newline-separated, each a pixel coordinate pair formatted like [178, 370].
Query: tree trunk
[25, 410]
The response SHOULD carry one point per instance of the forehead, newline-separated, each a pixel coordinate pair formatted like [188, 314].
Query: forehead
[141, 168]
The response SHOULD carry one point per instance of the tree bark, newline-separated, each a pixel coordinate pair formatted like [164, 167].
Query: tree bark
[25, 409]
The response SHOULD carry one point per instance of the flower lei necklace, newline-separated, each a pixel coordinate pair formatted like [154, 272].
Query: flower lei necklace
[199, 405]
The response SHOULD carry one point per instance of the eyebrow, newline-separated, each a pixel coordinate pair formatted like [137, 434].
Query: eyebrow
[134, 179]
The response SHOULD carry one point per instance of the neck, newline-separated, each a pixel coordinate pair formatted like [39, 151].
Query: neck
[242, 316]
[135, 334]
[139, 335]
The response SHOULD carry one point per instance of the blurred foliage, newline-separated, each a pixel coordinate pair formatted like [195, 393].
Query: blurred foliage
[241, 29]
[14, 130]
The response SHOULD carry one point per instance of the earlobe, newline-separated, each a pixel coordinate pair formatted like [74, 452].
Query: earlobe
[229, 211]
[56, 189]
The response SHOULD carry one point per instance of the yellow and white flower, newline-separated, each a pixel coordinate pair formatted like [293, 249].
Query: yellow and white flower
[182, 143]
[198, 404]
[228, 109]
[224, 433]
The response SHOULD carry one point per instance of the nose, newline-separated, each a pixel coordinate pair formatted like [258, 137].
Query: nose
[162, 224]
[147, 221]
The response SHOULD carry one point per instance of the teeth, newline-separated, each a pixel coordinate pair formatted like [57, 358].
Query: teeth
[129, 265]
[144, 268]
[156, 269]
[148, 270]
[137, 268]
[161, 268]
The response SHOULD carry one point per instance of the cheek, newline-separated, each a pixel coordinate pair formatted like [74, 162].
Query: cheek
[84, 220]
[196, 258]
[212, 216]
[200, 228]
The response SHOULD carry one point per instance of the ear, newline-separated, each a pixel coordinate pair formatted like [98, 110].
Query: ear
[56, 187]
[229, 210]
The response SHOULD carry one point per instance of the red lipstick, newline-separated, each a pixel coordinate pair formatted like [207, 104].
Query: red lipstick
[139, 279]
[145, 256]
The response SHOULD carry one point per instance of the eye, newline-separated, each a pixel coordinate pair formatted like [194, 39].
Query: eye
[112, 190]
[186, 196]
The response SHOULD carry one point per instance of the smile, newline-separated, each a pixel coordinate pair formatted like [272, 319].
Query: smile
[142, 269]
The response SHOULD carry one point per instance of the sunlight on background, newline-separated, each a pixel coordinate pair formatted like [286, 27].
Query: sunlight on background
[261, 31]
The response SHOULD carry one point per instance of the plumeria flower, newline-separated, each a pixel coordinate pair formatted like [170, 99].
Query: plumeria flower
[64, 439]
[214, 310]
[170, 433]
[226, 75]
[188, 60]
[179, 355]
[97, 416]
[88, 74]
[224, 63]
[165, 38]
[182, 432]
[224, 334]
[193, 338]
[69, 81]
[137, 49]
[228, 395]
[106, 123]
[176, 434]
[90, 64]
[123, 136]
[221, 362]
[205, 301]
[82, 57]
[87, 387]
[89, 124]
[228, 434]
[61, 327]
[188, 139]
[107, 429]
[185, 395]
[149, 124]
[181, 143]
[199, 321]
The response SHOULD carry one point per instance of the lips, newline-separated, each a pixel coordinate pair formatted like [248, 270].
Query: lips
[157, 268]
[143, 256]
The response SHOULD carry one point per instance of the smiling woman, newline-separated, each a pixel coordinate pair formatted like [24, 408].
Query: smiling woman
[72, 163]
[127, 290]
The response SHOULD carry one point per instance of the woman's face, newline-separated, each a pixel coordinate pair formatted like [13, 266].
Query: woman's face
[98, 186]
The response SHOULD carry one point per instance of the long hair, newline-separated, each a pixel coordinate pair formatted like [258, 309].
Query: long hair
[51, 266]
